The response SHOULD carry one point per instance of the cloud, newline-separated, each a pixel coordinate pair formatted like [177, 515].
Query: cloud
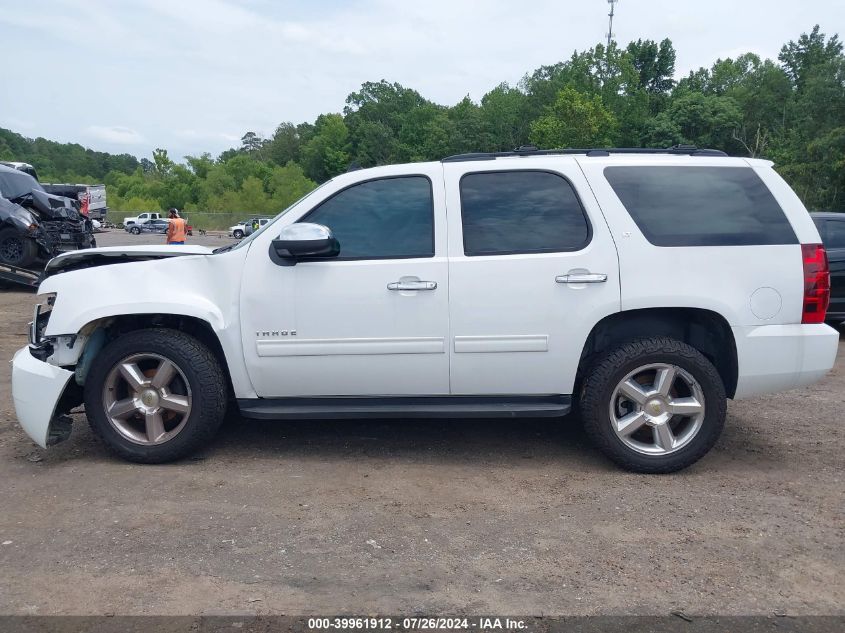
[194, 75]
[197, 135]
[115, 134]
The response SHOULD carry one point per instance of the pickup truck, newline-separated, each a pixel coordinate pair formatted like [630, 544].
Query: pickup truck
[143, 217]
[246, 227]
[638, 288]
[92, 198]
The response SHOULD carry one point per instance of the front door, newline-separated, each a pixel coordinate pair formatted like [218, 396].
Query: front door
[372, 321]
[532, 268]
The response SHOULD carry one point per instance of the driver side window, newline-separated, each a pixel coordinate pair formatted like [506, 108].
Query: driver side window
[389, 218]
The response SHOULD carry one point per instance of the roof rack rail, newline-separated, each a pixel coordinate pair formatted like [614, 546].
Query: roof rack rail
[530, 150]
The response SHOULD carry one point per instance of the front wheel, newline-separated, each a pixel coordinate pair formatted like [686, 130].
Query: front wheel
[238, 234]
[135, 230]
[155, 395]
[653, 405]
[17, 249]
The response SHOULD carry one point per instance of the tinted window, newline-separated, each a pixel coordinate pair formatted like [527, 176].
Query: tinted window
[379, 219]
[14, 184]
[701, 206]
[835, 234]
[520, 212]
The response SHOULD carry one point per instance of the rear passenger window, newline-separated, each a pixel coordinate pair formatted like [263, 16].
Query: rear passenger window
[521, 212]
[701, 206]
[835, 234]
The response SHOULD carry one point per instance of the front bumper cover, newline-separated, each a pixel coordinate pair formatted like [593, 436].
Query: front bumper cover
[37, 388]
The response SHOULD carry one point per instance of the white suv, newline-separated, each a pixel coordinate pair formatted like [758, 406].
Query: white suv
[641, 288]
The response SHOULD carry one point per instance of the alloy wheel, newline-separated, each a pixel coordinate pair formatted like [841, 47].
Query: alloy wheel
[147, 399]
[657, 409]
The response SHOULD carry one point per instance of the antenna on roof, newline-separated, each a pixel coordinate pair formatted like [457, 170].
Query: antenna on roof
[610, 15]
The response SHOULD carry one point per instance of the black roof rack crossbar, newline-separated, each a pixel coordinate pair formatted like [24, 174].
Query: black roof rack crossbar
[530, 150]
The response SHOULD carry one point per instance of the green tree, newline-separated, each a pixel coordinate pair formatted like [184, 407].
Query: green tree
[251, 142]
[654, 63]
[285, 145]
[503, 119]
[697, 119]
[574, 120]
[162, 162]
[801, 59]
[287, 185]
[200, 164]
[327, 153]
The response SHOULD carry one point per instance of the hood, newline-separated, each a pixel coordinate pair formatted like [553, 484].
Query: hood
[107, 255]
[51, 207]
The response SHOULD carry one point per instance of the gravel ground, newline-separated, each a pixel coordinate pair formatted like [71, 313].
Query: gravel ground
[119, 237]
[386, 517]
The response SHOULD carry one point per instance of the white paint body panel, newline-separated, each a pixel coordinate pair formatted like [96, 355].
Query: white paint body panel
[779, 357]
[37, 387]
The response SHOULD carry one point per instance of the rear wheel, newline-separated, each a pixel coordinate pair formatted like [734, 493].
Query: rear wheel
[155, 395]
[653, 405]
[17, 249]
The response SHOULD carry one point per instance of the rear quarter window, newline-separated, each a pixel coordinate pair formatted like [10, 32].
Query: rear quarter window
[835, 237]
[700, 206]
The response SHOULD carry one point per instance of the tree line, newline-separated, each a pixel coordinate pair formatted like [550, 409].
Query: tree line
[791, 111]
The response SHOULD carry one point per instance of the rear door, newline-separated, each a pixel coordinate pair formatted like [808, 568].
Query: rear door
[532, 268]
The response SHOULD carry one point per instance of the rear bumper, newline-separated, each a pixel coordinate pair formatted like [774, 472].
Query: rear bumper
[778, 357]
[36, 389]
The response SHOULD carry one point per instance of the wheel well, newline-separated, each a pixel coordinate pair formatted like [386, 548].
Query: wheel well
[199, 329]
[706, 331]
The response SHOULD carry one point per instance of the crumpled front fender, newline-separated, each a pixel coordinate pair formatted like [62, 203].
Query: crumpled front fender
[16, 215]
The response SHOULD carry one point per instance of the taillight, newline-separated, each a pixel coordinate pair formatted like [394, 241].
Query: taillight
[816, 283]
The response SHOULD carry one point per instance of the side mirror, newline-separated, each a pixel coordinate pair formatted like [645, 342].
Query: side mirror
[303, 240]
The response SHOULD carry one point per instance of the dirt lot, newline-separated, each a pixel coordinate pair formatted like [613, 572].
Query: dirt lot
[519, 517]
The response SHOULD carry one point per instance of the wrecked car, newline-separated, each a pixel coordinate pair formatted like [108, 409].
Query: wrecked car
[35, 225]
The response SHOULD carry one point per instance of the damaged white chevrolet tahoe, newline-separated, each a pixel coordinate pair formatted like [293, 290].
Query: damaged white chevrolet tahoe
[642, 288]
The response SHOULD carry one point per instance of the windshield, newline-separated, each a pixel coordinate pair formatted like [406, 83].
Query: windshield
[270, 223]
[14, 184]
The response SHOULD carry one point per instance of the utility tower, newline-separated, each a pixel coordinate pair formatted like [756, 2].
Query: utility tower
[610, 15]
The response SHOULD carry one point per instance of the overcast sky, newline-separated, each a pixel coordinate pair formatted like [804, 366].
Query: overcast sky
[194, 75]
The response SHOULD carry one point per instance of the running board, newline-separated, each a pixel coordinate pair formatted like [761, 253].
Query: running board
[405, 407]
[22, 276]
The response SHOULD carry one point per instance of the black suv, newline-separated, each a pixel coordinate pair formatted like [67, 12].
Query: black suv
[36, 225]
[832, 230]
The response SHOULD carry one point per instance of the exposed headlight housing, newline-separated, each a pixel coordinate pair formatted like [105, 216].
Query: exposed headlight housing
[40, 317]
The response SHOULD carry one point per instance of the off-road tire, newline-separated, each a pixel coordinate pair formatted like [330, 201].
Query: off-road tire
[608, 369]
[25, 247]
[204, 376]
